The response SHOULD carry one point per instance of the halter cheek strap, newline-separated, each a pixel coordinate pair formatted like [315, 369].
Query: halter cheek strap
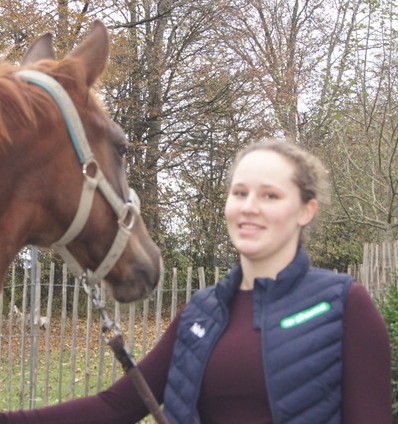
[126, 211]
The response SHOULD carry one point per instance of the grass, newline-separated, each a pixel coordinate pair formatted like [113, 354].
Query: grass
[63, 370]
[55, 381]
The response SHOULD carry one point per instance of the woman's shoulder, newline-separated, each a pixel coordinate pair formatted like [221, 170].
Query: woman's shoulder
[327, 273]
[327, 278]
[361, 311]
[359, 297]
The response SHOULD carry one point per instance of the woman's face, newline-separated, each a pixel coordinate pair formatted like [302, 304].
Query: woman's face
[264, 211]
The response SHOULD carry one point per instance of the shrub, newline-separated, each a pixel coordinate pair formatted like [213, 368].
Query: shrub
[388, 306]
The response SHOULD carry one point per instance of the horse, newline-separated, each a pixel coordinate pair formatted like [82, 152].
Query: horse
[62, 170]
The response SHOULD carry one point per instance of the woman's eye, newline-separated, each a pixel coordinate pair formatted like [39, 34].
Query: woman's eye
[270, 196]
[239, 193]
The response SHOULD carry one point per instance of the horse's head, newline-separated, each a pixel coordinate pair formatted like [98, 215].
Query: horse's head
[75, 199]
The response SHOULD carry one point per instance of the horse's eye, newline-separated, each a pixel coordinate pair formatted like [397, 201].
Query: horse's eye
[122, 150]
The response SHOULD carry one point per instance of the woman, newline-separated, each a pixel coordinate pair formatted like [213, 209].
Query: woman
[276, 341]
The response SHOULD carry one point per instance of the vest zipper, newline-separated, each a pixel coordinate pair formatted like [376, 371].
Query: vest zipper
[264, 343]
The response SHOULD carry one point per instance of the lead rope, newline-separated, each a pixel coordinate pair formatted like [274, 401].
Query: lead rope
[128, 363]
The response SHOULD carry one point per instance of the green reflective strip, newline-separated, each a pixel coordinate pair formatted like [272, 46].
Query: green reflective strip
[305, 315]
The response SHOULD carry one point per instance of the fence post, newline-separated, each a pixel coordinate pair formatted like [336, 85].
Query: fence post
[87, 357]
[33, 345]
[102, 344]
[48, 332]
[159, 303]
[189, 285]
[23, 335]
[202, 278]
[174, 294]
[73, 352]
[63, 329]
[10, 326]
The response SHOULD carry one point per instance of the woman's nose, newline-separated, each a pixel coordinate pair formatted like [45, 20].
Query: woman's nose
[250, 204]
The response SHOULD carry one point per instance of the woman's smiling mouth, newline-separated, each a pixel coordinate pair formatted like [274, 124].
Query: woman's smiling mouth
[249, 228]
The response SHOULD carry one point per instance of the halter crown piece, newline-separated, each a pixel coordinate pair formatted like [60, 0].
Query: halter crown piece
[126, 211]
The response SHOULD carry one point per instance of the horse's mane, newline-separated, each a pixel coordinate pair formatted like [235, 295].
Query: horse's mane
[23, 104]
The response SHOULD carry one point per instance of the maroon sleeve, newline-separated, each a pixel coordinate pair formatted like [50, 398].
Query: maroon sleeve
[120, 404]
[367, 395]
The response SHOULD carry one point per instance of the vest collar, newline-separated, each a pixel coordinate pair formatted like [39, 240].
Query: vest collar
[229, 285]
[274, 289]
[268, 290]
[286, 278]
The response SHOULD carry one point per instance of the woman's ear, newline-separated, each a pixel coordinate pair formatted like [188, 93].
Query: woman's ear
[308, 212]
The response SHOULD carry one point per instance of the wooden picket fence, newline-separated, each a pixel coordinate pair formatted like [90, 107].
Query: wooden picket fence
[379, 267]
[50, 344]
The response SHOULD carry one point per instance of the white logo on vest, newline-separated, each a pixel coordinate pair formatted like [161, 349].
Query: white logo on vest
[198, 330]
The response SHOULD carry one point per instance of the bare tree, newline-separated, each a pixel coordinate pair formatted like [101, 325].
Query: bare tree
[192, 82]
[169, 89]
[361, 131]
[274, 42]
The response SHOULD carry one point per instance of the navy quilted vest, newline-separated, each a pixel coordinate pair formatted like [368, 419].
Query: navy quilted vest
[300, 317]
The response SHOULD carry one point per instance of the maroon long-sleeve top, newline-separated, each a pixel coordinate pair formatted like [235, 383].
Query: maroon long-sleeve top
[233, 389]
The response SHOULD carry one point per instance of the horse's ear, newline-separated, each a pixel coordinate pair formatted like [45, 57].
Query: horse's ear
[42, 48]
[93, 52]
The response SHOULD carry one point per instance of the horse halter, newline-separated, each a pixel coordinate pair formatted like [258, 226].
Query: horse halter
[126, 212]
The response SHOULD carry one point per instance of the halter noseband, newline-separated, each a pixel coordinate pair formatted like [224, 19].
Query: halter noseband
[126, 212]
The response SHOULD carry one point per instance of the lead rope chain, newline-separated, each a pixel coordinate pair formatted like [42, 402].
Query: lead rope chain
[128, 363]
